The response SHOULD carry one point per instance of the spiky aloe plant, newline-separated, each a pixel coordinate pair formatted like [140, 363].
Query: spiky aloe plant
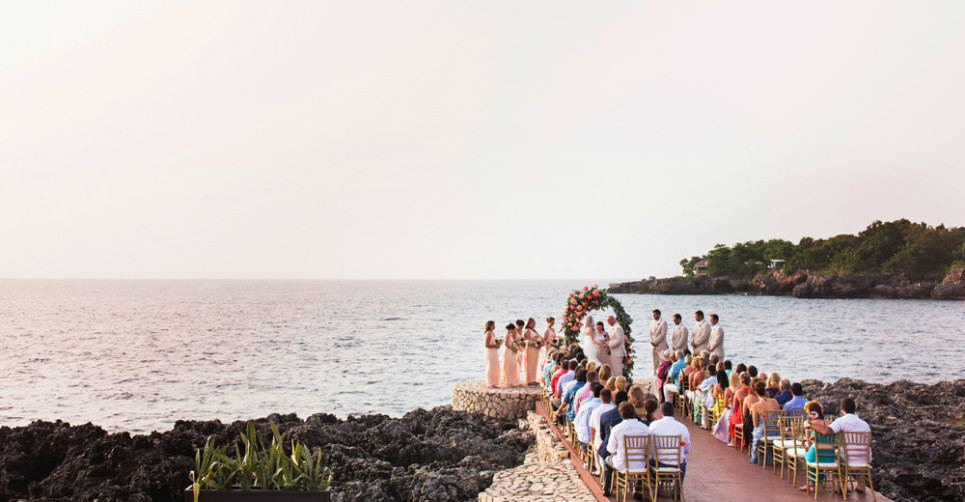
[257, 465]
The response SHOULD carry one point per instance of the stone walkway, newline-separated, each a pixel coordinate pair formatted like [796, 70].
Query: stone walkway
[543, 481]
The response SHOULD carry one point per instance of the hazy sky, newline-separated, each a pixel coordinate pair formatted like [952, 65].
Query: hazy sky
[464, 139]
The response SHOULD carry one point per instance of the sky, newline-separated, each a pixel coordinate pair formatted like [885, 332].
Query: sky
[464, 140]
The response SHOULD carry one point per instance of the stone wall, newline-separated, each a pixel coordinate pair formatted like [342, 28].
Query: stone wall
[509, 403]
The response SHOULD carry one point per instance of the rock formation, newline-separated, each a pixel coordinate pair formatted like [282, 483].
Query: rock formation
[806, 285]
[425, 455]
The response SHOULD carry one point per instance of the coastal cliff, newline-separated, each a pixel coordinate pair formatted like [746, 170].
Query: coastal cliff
[803, 284]
[438, 454]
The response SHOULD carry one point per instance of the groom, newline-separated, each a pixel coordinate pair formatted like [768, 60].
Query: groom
[615, 342]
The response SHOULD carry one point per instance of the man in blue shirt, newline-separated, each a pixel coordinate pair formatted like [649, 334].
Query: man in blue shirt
[670, 387]
[797, 402]
[548, 369]
[578, 383]
[785, 395]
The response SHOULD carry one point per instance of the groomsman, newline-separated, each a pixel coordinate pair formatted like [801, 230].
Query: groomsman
[679, 341]
[716, 343]
[617, 350]
[658, 339]
[700, 337]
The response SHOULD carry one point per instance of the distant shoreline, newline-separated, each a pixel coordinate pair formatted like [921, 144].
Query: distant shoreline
[804, 284]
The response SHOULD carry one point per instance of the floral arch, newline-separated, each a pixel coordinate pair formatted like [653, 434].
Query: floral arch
[583, 301]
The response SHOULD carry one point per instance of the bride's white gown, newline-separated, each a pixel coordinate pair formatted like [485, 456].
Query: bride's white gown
[593, 351]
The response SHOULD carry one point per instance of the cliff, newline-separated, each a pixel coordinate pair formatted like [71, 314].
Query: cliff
[803, 284]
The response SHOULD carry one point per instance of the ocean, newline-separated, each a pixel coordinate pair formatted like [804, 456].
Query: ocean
[139, 355]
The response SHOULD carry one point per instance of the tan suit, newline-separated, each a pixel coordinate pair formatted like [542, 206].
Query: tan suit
[617, 350]
[658, 341]
[716, 343]
[679, 341]
[700, 337]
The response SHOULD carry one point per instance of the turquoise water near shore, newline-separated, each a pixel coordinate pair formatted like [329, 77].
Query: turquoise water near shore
[138, 355]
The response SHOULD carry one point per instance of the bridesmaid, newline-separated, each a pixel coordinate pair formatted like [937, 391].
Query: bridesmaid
[532, 351]
[492, 355]
[520, 330]
[510, 368]
[549, 337]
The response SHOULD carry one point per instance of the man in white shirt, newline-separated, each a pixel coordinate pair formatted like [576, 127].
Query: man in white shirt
[667, 426]
[848, 422]
[616, 461]
[658, 339]
[616, 344]
[606, 395]
[700, 337]
[715, 343]
[582, 422]
[679, 340]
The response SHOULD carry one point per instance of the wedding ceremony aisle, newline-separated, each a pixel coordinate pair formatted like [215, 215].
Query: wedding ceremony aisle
[717, 473]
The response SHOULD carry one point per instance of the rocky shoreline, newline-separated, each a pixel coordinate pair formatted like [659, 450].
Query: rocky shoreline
[918, 435]
[439, 454]
[804, 284]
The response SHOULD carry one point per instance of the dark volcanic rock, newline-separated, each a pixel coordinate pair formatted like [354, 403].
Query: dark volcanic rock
[425, 455]
[918, 437]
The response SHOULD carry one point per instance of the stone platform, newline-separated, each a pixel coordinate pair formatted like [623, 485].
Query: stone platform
[510, 403]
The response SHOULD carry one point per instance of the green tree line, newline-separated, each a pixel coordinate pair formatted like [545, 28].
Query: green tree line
[915, 249]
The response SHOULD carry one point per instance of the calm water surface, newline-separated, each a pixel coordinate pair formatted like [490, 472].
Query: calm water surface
[138, 355]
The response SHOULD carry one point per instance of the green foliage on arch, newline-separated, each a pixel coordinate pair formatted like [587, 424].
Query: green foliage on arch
[583, 301]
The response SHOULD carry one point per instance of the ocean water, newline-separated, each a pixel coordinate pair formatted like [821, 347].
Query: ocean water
[139, 355]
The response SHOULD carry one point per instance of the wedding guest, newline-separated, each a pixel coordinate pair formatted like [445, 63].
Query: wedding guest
[773, 382]
[638, 398]
[558, 373]
[650, 405]
[737, 409]
[612, 384]
[620, 383]
[752, 371]
[566, 377]
[658, 339]
[741, 367]
[531, 357]
[663, 371]
[847, 422]
[605, 372]
[629, 425]
[510, 369]
[797, 401]
[715, 343]
[616, 342]
[569, 393]
[784, 395]
[700, 336]
[584, 393]
[728, 367]
[764, 403]
[608, 419]
[551, 362]
[679, 340]
[815, 420]
[668, 426]
[727, 385]
[705, 395]
[670, 386]
[492, 355]
[582, 423]
[606, 396]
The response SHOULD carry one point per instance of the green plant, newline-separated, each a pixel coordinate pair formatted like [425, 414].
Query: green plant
[257, 465]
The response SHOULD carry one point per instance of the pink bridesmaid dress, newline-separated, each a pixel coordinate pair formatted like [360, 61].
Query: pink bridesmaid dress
[531, 358]
[510, 367]
[492, 363]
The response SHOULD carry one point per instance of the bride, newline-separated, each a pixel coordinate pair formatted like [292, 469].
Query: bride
[594, 345]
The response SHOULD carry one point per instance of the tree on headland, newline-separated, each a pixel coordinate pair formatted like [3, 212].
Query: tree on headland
[917, 250]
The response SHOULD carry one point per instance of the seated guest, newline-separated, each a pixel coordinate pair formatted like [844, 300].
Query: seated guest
[595, 417]
[638, 398]
[668, 426]
[703, 396]
[773, 381]
[558, 373]
[612, 384]
[566, 377]
[663, 370]
[784, 395]
[570, 392]
[584, 393]
[752, 371]
[740, 368]
[670, 386]
[582, 422]
[763, 404]
[609, 419]
[847, 422]
[629, 425]
[737, 409]
[604, 373]
[728, 367]
[727, 387]
[797, 401]
[552, 361]
[620, 383]
[714, 359]
[651, 406]
[815, 419]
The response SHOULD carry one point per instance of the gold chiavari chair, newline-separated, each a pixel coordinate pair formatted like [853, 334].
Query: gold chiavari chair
[856, 460]
[636, 452]
[785, 448]
[666, 451]
[770, 419]
[825, 462]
